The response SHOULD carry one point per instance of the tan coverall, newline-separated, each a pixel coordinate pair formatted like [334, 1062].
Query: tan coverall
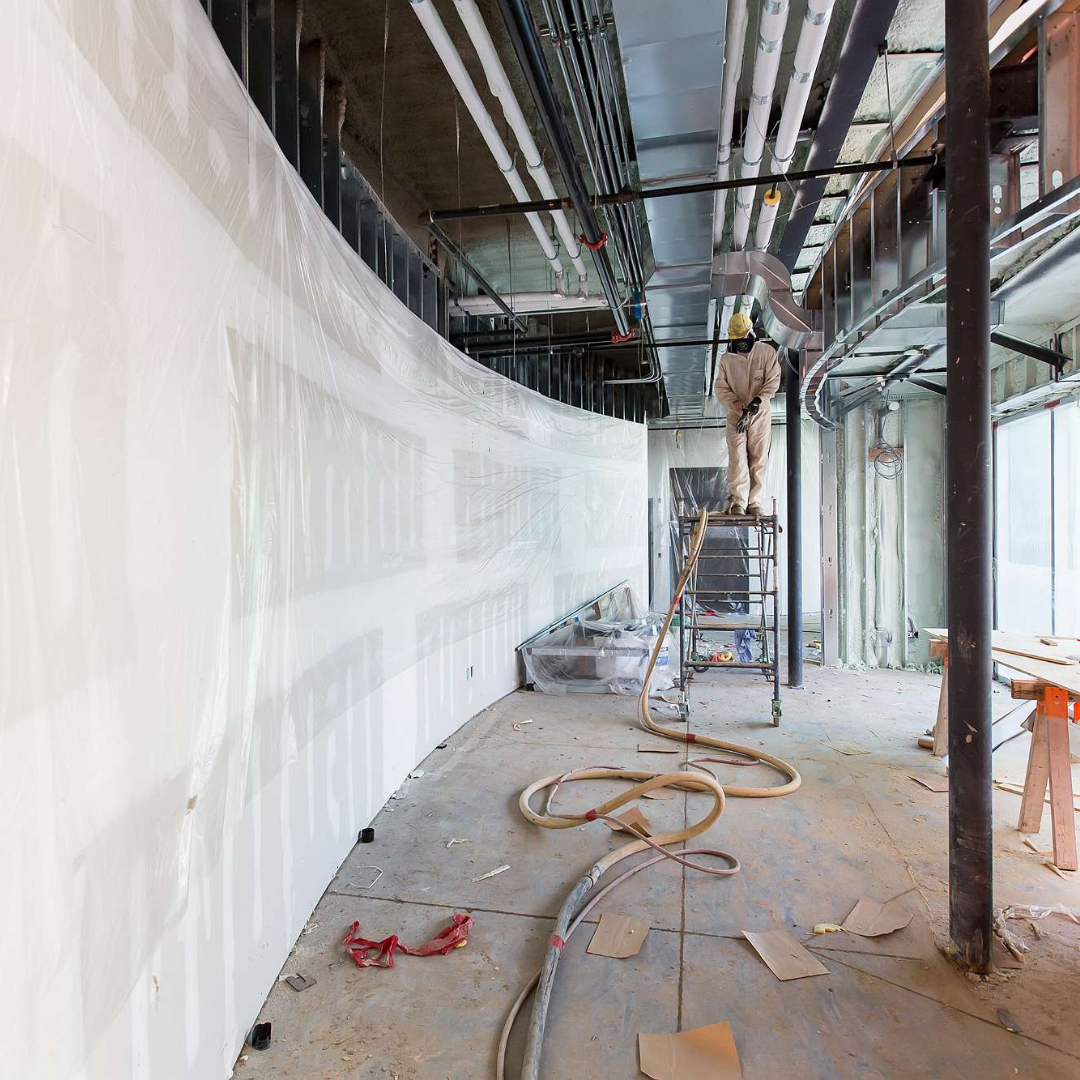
[743, 377]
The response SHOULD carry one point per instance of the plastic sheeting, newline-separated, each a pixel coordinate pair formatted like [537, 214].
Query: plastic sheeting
[602, 655]
[265, 539]
[697, 448]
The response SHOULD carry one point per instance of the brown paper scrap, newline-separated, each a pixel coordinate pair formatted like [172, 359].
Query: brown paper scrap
[633, 821]
[868, 918]
[848, 748]
[657, 748]
[704, 1053]
[618, 936]
[663, 793]
[931, 781]
[786, 958]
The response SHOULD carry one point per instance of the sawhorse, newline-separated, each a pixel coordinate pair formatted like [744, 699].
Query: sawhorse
[1049, 762]
[1049, 765]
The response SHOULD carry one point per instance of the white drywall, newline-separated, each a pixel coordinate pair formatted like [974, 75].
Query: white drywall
[258, 523]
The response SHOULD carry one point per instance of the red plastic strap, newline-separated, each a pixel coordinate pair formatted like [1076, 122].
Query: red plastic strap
[370, 953]
[618, 339]
[599, 243]
[691, 737]
[590, 815]
[557, 942]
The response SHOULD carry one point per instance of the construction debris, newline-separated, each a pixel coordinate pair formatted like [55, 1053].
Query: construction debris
[618, 936]
[704, 1053]
[869, 918]
[492, 873]
[785, 957]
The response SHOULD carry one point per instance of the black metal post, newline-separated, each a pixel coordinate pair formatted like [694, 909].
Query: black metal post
[286, 68]
[312, 79]
[333, 120]
[793, 433]
[261, 57]
[968, 479]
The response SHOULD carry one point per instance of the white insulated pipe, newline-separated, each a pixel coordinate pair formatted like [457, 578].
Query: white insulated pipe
[455, 68]
[773, 22]
[734, 48]
[499, 85]
[807, 54]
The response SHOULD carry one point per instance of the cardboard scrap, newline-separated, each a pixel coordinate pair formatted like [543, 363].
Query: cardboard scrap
[633, 821]
[663, 793]
[657, 748]
[786, 958]
[618, 936]
[931, 781]
[849, 749]
[868, 918]
[704, 1053]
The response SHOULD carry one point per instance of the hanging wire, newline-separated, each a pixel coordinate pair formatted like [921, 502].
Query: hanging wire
[888, 461]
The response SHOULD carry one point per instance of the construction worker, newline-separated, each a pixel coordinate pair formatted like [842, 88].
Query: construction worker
[749, 376]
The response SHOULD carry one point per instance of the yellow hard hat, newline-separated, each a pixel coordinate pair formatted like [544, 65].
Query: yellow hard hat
[740, 325]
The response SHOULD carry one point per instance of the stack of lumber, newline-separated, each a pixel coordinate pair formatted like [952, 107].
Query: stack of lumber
[1051, 660]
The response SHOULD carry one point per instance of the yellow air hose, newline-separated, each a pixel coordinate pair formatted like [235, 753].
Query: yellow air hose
[575, 907]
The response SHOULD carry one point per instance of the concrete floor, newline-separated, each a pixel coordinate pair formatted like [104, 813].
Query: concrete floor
[859, 826]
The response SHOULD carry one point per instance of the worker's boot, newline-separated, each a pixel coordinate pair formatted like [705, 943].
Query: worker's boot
[754, 510]
[735, 509]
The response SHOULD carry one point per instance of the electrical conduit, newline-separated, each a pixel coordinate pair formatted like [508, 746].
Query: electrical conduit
[774, 15]
[577, 903]
[807, 54]
[455, 68]
[499, 84]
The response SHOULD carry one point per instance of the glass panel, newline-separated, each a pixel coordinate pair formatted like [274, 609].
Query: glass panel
[1023, 524]
[1067, 519]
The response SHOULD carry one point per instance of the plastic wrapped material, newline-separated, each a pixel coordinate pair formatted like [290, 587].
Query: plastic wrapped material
[601, 656]
[1016, 945]
[265, 540]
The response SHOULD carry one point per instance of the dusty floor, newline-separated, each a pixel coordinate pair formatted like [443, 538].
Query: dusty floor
[859, 826]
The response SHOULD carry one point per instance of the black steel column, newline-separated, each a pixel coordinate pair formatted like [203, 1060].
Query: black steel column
[261, 57]
[968, 478]
[311, 79]
[229, 19]
[793, 433]
[333, 120]
[286, 67]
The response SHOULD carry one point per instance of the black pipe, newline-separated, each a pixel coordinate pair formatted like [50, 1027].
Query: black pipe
[530, 54]
[574, 341]
[867, 29]
[448, 245]
[1057, 360]
[633, 195]
[969, 480]
[793, 434]
[926, 384]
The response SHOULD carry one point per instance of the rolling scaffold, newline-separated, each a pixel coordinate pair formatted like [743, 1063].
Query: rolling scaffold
[744, 556]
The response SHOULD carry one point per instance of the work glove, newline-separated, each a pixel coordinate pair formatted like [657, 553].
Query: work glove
[748, 414]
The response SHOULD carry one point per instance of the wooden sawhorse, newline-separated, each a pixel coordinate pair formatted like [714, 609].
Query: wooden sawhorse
[1049, 764]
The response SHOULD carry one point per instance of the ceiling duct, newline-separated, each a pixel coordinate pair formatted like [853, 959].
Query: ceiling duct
[674, 60]
[764, 278]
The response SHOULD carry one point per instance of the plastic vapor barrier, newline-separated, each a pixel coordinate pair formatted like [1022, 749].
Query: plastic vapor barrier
[265, 539]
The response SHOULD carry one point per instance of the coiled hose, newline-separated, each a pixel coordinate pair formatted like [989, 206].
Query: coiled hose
[577, 905]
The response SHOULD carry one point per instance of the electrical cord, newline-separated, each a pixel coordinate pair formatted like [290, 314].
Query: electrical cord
[577, 903]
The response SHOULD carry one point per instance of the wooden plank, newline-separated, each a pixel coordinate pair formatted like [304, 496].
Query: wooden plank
[1033, 645]
[939, 648]
[1066, 677]
[1032, 690]
[1038, 773]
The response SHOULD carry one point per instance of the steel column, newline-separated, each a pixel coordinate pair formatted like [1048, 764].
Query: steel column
[286, 68]
[793, 432]
[969, 486]
[261, 57]
[312, 80]
[333, 120]
[229, 19]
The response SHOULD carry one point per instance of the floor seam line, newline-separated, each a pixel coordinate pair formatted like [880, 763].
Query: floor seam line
[956, 1009]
